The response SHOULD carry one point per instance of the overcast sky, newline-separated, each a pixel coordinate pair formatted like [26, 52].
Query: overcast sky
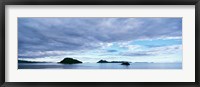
[92, 39]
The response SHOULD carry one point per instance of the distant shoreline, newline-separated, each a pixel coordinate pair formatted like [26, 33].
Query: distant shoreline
[25, 61]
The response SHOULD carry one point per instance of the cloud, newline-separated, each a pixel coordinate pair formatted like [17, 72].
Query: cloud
[137, 54]
[167, 50]
[37, 54]
[75, 34]
[111, 51]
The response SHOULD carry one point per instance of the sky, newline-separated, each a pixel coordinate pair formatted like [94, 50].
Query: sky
[92, 39]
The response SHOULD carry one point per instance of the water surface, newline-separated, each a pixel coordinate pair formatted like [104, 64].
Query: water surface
[100, 66]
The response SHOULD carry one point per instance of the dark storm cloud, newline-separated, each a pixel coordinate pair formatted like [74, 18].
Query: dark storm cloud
[69, 34]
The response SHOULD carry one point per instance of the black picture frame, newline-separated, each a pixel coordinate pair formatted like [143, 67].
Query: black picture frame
[98, 2]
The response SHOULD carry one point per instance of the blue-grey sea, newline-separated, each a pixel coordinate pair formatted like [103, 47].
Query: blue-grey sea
[100, 66]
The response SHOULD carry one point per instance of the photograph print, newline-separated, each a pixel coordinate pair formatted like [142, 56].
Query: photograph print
[100, 43]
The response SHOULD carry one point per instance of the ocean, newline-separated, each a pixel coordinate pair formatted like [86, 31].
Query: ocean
[100, 66]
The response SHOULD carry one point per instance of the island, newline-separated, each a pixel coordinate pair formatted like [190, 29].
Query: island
[102, 61]
[69, 61]
[122, 62]
[125, 63]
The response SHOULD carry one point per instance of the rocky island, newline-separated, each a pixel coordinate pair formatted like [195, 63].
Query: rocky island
[122, 62]
[125, 63]
[102, 61]
[69, 61]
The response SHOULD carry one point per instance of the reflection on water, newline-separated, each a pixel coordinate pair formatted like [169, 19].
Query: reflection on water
[100, 66]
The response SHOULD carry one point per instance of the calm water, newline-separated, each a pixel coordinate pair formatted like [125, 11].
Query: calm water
[100, 66]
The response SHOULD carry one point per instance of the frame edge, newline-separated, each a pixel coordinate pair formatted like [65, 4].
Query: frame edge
[197, 36]
[2, 43]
